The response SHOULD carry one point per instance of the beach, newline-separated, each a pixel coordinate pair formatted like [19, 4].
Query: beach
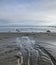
[44, 44]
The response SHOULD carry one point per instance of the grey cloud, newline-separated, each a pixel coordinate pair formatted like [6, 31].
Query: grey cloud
[34, 12]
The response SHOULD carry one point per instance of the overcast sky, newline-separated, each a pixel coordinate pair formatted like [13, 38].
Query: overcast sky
[28, 12]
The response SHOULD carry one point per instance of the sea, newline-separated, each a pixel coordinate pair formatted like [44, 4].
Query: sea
[27, 28]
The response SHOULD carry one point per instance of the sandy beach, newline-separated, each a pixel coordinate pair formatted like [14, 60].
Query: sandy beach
[44, 44]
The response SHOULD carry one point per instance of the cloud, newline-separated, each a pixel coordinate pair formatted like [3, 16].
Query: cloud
[28, 11]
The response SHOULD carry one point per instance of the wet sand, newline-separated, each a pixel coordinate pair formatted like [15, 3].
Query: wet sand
[44, 43]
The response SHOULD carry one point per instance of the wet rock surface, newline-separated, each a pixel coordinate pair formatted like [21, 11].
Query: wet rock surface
[29, 51]
[32, 53]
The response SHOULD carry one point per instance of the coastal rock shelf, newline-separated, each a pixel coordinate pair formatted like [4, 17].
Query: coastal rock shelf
[31, 49]
[32, 53]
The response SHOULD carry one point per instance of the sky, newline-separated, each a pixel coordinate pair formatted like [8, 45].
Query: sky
[27, 12]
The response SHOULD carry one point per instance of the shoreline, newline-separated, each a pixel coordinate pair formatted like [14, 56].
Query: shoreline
[29, 33]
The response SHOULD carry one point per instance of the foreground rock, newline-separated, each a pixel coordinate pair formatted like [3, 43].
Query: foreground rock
[31, 53]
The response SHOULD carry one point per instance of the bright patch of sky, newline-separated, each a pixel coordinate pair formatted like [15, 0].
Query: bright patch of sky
[28, 12]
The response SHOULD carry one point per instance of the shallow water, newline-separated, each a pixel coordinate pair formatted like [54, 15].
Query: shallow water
[27, 28]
